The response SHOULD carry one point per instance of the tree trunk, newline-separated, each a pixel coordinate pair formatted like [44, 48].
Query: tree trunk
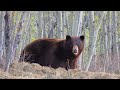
[44, 26]
[75, 23]
[1, 38]
[105, 45]
[79, 29]
[94, 43]
[7, 38]
[91, 31]
[53, 26]
[39, 24]
[115, 52]
[109, 39]
[13, 46]
[59, 24]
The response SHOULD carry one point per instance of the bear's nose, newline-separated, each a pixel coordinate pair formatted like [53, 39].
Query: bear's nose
[75, 51]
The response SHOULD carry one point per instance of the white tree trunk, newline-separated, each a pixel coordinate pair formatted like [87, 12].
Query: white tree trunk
[115, 40]
[7, 39]
[95, 40]
[109, 39]
[79, 29]
[105, 45]
[91, 32]
[59, 24]
[13, 45]
[63, 23]
[44, 26]
[75, 23]
[39, 24]
[1, 37]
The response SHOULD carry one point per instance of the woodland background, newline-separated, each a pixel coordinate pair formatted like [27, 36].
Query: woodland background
[101, 30]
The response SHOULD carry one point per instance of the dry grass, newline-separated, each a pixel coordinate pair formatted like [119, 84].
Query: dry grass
[34, 71]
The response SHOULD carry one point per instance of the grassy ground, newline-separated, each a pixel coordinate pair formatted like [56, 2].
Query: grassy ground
[34, 71]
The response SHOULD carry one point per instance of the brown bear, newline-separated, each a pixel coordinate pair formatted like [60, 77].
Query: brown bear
[54, 52]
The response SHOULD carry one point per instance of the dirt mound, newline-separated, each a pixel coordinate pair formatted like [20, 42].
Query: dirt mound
[34, 71]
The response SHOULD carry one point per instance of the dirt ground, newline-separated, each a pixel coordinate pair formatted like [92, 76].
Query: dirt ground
[34, 71]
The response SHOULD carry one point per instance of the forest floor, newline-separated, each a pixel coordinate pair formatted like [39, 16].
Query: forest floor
[34, 71]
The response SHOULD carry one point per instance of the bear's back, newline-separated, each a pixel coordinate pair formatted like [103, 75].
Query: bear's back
[40, 51]
[41, 46]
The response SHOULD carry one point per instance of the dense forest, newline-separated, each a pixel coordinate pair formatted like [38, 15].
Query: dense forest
[100, 28]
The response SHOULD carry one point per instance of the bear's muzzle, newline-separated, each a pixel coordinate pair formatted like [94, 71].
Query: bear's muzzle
[75, 50]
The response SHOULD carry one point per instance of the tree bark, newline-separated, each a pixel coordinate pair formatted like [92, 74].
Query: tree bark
[7, 38]
[13, 46]
[39, 24]
[79, 29]
[1, 38]
[115, 51]
[95, 40]
[105, 45]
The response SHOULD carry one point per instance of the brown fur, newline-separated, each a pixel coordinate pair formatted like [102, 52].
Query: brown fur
[53, 52]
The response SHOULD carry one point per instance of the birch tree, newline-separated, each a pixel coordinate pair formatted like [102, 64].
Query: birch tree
[53, 26]
[13, 46]
[79, 32]
[44, 26]
[105, 44]
[39, 24]
[25, 36]
[115, 52]
[59, 23]
[1, 35]
[95, 40]
[79, 28]
[7, 37]
[75, 23]
[109, 37]
[91, 32]
[63, 23]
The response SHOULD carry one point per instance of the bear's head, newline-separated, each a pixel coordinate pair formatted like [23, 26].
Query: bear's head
[74, 46]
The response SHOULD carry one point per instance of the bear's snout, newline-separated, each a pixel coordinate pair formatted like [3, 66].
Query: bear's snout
[75, 50]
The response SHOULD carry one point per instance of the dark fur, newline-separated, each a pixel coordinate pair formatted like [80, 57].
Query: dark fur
[53, 52]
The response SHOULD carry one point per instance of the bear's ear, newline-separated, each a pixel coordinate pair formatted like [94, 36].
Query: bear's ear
[82, 37]
[68, 37]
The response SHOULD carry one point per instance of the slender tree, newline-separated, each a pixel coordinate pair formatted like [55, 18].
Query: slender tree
[2, 36]
[95, 40]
